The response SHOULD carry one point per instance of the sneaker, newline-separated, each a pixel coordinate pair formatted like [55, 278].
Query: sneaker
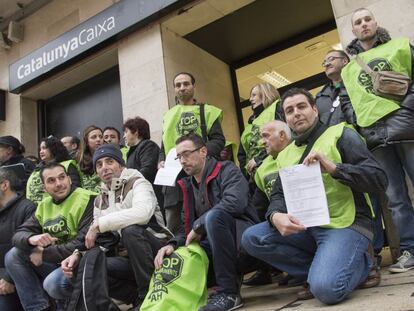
[222, 302]
[404, 263]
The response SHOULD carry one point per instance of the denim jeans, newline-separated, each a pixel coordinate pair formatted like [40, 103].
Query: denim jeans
[222, 246]
[396, 160]
[128, 277]
[334, 261]
[28, 279]
[378, 242]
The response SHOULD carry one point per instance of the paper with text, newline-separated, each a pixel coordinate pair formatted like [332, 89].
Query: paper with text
[167, 175]
[305, 195]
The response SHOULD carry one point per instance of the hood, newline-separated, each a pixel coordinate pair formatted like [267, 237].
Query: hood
[354, 47]
[117, 183]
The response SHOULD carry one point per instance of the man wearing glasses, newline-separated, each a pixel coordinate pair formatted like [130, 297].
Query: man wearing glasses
[332, 101]
[187, 116]
[216, 211]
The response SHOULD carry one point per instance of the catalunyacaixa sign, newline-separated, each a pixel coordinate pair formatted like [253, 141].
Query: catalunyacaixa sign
[111, 23]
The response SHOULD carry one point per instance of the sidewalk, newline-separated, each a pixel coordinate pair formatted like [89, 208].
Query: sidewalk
[395, 293]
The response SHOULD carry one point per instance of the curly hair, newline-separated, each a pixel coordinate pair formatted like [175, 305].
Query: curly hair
[56, 148]
[138, 125]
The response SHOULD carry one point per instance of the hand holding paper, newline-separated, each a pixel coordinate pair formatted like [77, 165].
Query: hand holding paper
[167, 174]
[305, 195]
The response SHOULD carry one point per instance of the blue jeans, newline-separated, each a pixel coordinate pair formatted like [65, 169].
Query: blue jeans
[28, 279]
[334, 261]
[378, 242]
[396, 160]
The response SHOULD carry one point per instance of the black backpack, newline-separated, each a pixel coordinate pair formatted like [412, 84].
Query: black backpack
[90, 289]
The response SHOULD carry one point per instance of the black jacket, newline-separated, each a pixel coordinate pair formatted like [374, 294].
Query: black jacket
[144, 158]
[29, 166]
[58, 252]
[224, 187]
[398, 125]
[343, 112]
[359, 171]
[15, 213]
[215, 143]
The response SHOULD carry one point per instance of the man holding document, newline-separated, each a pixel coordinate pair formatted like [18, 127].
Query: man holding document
[330, 254]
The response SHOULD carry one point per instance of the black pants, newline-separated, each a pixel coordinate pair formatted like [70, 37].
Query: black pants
[222, 245]
[129, 277]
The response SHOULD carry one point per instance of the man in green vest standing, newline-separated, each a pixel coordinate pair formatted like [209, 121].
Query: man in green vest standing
[188, 116]
[54, 232]
[333, 259]
[386, 124]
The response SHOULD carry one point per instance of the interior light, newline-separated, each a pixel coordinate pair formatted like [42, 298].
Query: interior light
[274, 78]
[337, 46]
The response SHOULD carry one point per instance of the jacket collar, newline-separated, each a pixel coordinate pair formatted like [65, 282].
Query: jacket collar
[13, 201]
[382, 36]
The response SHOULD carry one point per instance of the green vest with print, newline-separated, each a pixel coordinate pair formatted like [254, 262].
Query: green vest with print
[395, 55]
[34, 187]
[61, 220]
[266, 175]
[340, 199]
[91, 182]
[251, 139]
[181, 120]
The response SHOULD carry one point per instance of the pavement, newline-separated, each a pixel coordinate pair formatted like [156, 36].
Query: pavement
[394, 293]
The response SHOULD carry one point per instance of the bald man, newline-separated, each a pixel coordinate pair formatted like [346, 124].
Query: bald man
[276, 135]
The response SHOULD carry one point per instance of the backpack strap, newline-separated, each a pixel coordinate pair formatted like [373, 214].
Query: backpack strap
[322, 128]
[203, 123]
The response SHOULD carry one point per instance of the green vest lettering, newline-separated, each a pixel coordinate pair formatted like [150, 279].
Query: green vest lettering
[266, 175]
[61, 220]
[251, 139]
[34, 187]
[181, 120]
[395, 55]
[340, 199]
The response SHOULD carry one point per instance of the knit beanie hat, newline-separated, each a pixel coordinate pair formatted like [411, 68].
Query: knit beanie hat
[108, 150]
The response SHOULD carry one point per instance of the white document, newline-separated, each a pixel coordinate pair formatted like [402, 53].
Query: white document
[305, 194]
[167, 175]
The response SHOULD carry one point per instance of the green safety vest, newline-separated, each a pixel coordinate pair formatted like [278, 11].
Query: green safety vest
[395, 55]
[124, 151]
[233, 149]
[34, 187]
[340, 199]
[181, 120]
[91, 182]
[61, 220]
[251, 139]
[266, 175]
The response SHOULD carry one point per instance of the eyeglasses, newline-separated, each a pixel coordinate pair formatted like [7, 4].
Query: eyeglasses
[329, 60]
[186, 154]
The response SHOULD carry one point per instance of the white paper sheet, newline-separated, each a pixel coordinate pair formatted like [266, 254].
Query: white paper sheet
[305, 194]
[167, 175]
